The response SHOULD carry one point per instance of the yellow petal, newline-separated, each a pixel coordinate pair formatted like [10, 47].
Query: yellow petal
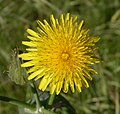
[27, 56]
[80, 25]
[32, 69]
[42, 26]
[62, 22]
[32, 49]
[44, 82]
[74, 19]
[66, 85]
[33, 75]
[28, 64]
[84, 81]
[33, 38]
[67, 17]
[48, 80]
[40, 75]
[59, 87]
[30, 44]
[53, 22]
[32, 33]
[77, 84]
[52, 88]
[72, 85]
[86, 74]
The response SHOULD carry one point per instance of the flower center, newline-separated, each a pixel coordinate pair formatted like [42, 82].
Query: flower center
[65, 56]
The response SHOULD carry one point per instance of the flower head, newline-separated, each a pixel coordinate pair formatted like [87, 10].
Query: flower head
[60, 54]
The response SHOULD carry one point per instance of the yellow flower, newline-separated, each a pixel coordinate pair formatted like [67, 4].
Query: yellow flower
[60, 54]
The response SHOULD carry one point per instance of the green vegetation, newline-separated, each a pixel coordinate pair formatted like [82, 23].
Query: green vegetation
[103, 19]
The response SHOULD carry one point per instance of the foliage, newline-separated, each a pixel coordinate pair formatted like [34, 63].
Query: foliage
[101, 16]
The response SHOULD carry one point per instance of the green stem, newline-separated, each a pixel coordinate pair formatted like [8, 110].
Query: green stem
[51, 99]
[43, 110]
[24, 105]
[16, 102]
[38, 104]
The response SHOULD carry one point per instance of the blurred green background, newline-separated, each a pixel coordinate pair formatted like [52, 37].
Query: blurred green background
[103, 19]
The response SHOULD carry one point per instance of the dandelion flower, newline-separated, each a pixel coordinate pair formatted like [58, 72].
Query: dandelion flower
[60, 54]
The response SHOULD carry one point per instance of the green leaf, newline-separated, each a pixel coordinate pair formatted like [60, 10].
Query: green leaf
[16, 72]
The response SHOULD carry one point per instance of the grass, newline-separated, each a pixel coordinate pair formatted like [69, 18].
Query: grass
[103, 19]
